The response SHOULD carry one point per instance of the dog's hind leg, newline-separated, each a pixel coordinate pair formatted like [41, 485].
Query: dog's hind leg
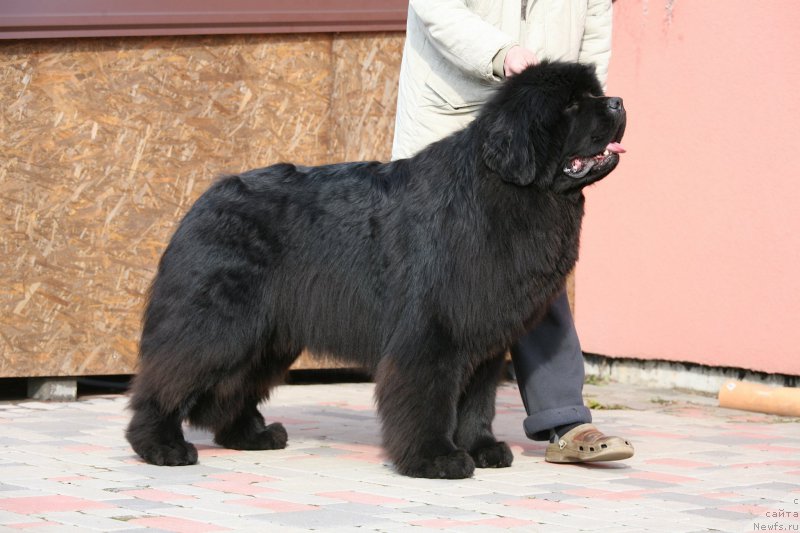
[417, 401]
[230, 409]
[210, 392]
[155, 433]
[249, 432]
[476, 411]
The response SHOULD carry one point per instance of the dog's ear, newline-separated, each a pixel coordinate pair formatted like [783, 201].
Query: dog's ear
[507, 150]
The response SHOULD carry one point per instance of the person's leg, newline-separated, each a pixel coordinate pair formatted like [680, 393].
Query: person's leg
[548, 363]
[549, 366]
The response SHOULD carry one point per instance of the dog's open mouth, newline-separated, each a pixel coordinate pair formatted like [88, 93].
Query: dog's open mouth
[579, 167]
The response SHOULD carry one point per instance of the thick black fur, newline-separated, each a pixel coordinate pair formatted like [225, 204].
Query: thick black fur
[423, 270]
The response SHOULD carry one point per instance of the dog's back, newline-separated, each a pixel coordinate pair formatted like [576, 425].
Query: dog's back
[286, 256]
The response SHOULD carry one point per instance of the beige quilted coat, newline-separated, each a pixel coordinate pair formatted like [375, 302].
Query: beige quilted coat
[454, 49]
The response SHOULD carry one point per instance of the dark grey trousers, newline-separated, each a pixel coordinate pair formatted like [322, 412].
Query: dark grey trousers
[548, 363]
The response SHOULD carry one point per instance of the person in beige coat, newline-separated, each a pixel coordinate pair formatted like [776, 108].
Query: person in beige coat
[456, 52]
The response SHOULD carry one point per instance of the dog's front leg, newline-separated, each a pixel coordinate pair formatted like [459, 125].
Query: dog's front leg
[418, 400]
[476, 411]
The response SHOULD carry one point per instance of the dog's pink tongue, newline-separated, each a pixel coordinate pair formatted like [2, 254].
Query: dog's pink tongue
[616, 148]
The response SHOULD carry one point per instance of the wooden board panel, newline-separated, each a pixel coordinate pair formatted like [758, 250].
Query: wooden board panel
[366, 68]
[106, 142]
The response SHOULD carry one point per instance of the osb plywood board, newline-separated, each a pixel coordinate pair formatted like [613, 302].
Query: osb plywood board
[106, 143]
[367, 69]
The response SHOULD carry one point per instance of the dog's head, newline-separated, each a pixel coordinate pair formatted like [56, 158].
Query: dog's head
[551, 126]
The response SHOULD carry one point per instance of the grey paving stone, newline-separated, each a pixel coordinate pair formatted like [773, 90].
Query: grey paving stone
[440, 511]
[644, 483]
[493, 497]
[687, 498]
[136, 504]
[319, 519]
[720, 513]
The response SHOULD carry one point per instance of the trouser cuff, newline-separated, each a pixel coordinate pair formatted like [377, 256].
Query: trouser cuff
[538, 425]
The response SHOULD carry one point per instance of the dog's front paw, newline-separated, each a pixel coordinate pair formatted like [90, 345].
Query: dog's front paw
[272, 437]
[497, 455]
[177, 453]
[455, 465]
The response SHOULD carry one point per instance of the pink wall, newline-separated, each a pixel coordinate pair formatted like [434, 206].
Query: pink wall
[691, 248]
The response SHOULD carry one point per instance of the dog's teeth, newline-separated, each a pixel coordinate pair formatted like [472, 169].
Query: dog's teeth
[606, 152]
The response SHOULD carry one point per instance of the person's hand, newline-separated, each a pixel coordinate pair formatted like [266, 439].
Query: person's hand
[517, 59]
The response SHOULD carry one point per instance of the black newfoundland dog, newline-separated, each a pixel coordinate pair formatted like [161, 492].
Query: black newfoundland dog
[423, 270]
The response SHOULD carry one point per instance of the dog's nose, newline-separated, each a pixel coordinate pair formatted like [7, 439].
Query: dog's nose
[614, 103]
